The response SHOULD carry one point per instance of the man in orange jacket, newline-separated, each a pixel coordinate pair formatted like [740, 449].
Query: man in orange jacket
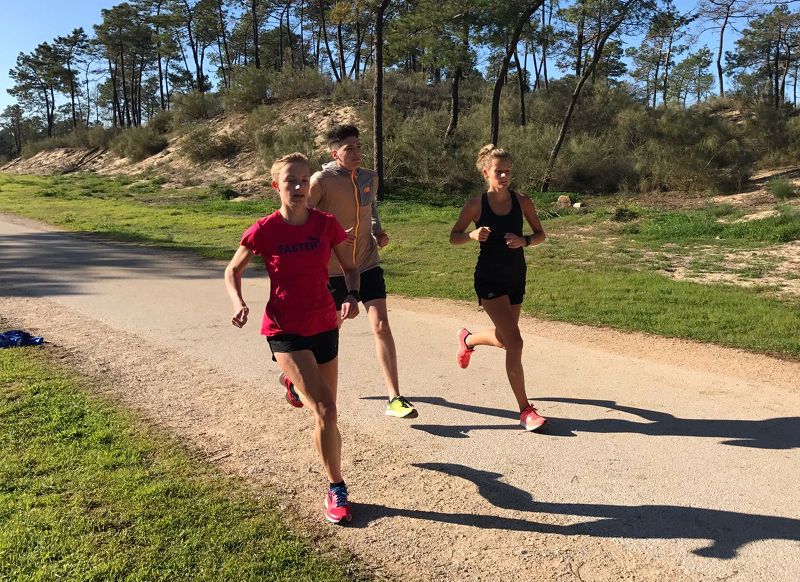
[348, 191]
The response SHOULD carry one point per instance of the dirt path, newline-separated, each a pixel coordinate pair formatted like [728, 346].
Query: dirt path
[664, 459]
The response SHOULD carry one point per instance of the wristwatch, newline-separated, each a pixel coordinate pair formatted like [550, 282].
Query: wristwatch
[356, 295]
[527, 240]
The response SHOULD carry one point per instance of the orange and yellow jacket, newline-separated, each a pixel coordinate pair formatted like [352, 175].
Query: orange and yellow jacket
[351, 198]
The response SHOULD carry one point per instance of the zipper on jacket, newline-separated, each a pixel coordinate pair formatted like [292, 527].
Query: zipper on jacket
[358, 214]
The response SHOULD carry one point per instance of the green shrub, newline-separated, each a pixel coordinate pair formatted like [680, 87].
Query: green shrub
[224, 191]
[293, 84]
[202, 146]
[161, 122]
[250, 87]
[257, 121]
[684, 150]
[782, 188]
[138, 143]
[297, 136]
[195, 106]
[98, 136]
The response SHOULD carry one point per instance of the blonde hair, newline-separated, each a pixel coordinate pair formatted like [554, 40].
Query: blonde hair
[282, 161]
[489, 152]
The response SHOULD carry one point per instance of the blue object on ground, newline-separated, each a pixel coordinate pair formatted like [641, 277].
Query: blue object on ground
[17, 338]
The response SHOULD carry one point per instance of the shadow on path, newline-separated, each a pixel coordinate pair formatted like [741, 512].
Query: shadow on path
[770, 433]
[727, 531]
[53, 263]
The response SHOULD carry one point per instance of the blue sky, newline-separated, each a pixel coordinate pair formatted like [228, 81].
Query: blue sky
[26, 23]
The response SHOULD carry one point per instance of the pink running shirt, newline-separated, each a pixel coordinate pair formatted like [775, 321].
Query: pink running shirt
[296, 257]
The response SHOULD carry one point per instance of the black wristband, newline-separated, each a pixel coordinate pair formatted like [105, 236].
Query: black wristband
[527, 240]
[356, 295]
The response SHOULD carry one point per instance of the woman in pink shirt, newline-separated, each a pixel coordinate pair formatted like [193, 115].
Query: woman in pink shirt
[300, 320]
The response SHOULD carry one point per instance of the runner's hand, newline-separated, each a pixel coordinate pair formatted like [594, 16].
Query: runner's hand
[480, 234]
[382, 238]
[514, 241]
[349, 308]
[241, 316]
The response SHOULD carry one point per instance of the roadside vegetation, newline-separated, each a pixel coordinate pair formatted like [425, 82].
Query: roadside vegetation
[611, 265]
[89, 493]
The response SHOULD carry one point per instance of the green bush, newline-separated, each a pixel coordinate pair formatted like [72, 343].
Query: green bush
[161, 122]
[202, 146]
[138, 143]
[224, 191]
[250, 87]
[782, 188]
[194, 106]
[98, 136]
[296, 136]
[677, 149]
[260, 119]
[293, 84]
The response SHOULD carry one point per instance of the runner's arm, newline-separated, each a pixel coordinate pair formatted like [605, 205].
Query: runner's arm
[352, 279]
[471, 212]
[529, 210]
[315, 192]
[233, 284]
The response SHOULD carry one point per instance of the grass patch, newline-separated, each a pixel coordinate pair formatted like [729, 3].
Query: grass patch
[698, 226]
[87, 493]
[597, 267]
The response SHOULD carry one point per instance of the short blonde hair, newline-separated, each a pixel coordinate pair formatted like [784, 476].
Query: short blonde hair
[282, 161]
[489, 152]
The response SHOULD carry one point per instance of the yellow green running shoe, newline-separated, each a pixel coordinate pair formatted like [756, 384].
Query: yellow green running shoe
[401, 408]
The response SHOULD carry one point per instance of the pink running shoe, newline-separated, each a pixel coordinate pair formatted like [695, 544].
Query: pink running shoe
[292, 397]
[530, 419]
[464, 351]
[337, 508]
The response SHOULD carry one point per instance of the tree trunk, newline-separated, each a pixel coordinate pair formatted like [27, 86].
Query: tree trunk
[340, 42]
[377, 100]
[226, 59]
[498, 86]
[719, 55]
[327, 44]
[579, 44]
[254, 9]
[451, 127]
[576, 93]
[522, 81]
[666, 70]
[544, 44]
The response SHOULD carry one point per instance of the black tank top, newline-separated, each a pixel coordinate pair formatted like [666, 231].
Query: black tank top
[497, 262]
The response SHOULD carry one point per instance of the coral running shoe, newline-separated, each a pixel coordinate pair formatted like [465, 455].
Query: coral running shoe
[292, 397]
[464, 351]
[530, 419]
[401, 408]
[337, 508]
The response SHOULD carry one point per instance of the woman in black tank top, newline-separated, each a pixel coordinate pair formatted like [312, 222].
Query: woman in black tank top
[500, 271]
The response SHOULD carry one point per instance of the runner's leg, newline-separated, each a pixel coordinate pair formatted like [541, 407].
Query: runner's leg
[317, 387]
[384, 344]
[507, 335]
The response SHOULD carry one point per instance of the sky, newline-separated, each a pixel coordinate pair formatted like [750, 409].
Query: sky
[26, 23]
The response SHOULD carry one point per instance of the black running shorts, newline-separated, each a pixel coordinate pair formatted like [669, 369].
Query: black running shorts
[493, 289]
[373, 287]
[324, 346]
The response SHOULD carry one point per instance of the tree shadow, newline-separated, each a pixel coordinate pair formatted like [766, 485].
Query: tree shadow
[727, 531]
[45, 263]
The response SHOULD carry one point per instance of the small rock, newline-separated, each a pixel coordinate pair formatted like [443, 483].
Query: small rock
[563, 202]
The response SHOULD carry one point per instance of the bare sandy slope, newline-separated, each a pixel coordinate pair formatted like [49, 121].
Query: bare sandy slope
[663, 459]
